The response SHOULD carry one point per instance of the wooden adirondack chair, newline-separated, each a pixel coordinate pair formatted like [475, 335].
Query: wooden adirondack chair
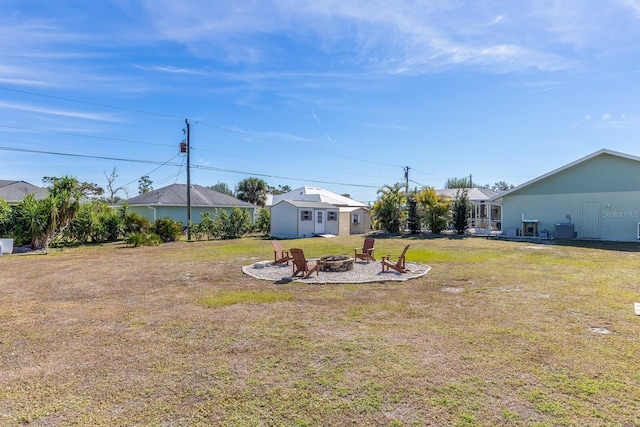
[399, 265]
[279, 255]
[367, 250]
[300, 264]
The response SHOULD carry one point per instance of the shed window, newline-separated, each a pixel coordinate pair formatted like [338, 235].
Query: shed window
[332, 216]
[305, 215]
[356, 218]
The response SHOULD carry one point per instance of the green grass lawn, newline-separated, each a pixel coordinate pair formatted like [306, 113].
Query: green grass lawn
[498, 333]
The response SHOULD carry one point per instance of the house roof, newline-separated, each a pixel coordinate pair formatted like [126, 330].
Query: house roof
[308, 204]
[16, 191]
[316, 194]
[474, 194]
[176, 195]
[601, 152]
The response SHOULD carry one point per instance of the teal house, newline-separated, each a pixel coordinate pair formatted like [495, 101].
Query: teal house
[171, 201]
[595, 197]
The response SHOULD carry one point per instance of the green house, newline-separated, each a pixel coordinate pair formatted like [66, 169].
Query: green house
[171, 201]
[595, 197]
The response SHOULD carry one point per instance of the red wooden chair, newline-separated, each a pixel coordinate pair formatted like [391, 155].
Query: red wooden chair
[300, 264]
[279, 255]
[399, 265]
[367, 250]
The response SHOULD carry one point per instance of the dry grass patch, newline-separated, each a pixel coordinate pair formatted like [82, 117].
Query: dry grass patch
[177, 335]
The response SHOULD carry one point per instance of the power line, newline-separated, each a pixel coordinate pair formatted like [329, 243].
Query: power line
[202, 167]
[152, 171]
[95, 104]
[210, 168]
[86, 156]
[240, 132]
[85, 136]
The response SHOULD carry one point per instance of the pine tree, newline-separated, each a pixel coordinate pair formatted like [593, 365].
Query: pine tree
[460, 212]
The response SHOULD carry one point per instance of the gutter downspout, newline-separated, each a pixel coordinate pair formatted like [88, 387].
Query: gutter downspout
[154, 212]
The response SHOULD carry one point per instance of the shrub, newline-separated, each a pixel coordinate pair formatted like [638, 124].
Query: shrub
[234, 225]
[206, 227]
[167, 229]
[143, 239]
[5, 218]
[263, 222]
[134, 223]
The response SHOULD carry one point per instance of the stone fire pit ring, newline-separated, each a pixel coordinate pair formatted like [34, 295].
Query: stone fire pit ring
[335, 263]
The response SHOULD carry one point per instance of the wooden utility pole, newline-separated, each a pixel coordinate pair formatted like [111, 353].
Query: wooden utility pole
[188, 131]
[406, 179]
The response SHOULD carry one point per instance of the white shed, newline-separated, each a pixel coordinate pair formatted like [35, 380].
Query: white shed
[291, 219]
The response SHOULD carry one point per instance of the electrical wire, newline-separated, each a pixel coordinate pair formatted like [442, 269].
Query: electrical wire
[202, 167]
[152, 171]
[95, 104]
[85, 136]
[240, 132]
[86, 156]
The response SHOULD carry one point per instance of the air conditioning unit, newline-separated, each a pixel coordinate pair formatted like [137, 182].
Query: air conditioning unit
[565, 231]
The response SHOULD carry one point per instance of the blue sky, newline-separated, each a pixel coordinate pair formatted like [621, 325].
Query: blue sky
[337, 94]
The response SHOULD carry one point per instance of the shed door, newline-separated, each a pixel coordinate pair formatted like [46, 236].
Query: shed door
[590, 220]
[319, 222]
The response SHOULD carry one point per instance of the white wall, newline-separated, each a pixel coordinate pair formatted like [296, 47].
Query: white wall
[284, 221]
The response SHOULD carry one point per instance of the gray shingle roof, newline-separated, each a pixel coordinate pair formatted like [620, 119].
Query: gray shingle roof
[176, 195]
[16, 191]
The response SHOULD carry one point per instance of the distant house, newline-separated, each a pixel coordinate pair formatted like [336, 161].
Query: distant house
[171, 201]
[595, 197]
[309, 211]
[13, 192]
[485, 216]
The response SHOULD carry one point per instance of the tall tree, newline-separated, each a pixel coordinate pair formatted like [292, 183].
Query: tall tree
[83, 190]
[465, 182]
[145, 185]
[413, 217]
[388, 210]
[281, 189]
[460, 211]
[112, 190]
[40, 221]
[436, 209]
[501, 186]
[222, 187]
[252, 190]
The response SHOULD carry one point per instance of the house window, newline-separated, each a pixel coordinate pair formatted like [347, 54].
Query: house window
[356, 218]
[305, 215]
[332, 216]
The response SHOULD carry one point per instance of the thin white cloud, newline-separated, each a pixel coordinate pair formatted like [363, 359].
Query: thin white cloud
[172, 70]
[608, 120]
[401, 37]
[498, 19]
[337, 37]
[59, 112]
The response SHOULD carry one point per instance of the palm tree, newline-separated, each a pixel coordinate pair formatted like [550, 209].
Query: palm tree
[389, 208]
[436, 209]
[252, 190]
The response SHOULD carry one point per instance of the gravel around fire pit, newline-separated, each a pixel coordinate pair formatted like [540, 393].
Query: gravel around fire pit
[362, 272]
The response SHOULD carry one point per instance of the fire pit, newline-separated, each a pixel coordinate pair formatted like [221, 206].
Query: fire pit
[335, 263]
